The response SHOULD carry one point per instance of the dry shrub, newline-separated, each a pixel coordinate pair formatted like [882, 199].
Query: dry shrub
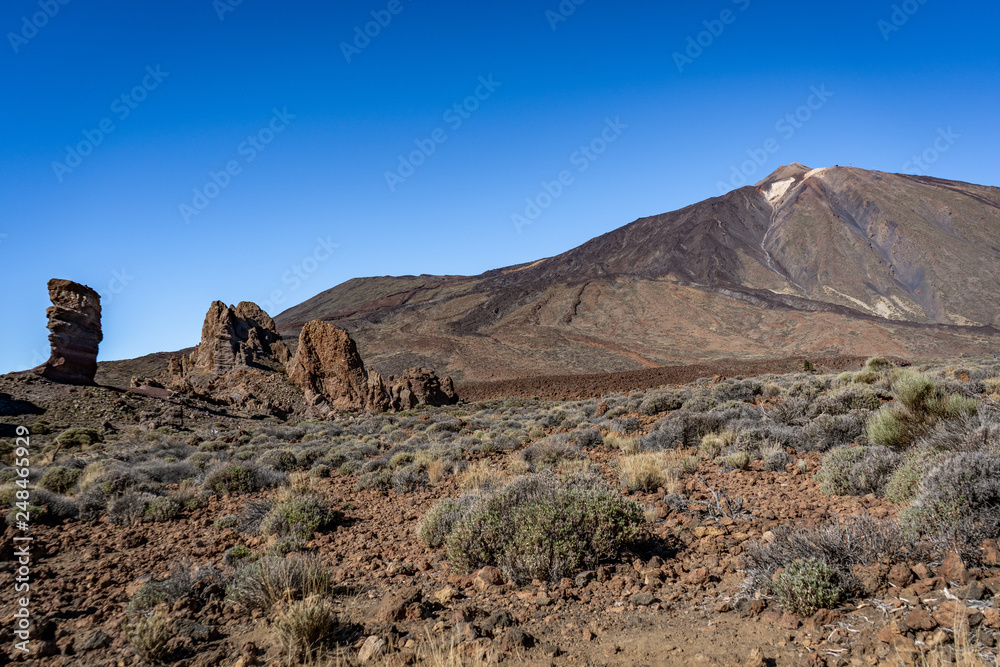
[482, 477]
[628, 445]
[304, 627]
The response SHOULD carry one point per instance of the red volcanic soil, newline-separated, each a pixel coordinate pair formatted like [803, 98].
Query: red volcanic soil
[575, 387]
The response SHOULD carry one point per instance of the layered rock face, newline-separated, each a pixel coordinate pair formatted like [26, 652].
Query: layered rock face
[235, 337]
[75, 326]
[332, 375]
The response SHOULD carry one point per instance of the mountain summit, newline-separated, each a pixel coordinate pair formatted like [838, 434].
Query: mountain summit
[807, 261]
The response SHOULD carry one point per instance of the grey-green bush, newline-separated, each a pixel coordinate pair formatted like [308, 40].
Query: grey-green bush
[542, 527]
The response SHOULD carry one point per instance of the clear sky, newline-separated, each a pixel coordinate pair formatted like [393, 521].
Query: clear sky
[170, 153]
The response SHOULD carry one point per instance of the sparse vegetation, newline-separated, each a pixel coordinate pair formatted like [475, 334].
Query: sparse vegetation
[541, 527]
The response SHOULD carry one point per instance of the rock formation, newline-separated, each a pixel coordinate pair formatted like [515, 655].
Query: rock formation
[235, 337]
[328, 368]
[420, 386]
[331, 373]
[75, 323]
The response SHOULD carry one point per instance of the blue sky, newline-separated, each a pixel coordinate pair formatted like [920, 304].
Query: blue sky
[172, 153]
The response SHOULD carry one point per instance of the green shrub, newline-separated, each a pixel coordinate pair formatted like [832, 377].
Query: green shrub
[279, 459]
[904, 483]
[60, 480]
[379, 480]
[865, 377]
[859, 540]
[660, 402]
[738, 460]
[540, 527]
[877, 364]
[163, 508]
[889, 427]
[806, 586]
[149, 636]
[441, 519]
[857, 471]
[299, 516]
[79, 438]
[914, 390]
[238, 478]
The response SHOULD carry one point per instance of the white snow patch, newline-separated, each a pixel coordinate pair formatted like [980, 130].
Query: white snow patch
[777, 190]
[816, 172]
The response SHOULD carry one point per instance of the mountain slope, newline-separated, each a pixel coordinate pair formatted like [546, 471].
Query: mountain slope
[824, 261]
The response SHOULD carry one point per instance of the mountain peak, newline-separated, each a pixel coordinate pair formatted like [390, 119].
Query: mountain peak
[795, 170]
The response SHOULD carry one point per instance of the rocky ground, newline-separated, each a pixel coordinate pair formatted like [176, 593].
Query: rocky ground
[677, 597]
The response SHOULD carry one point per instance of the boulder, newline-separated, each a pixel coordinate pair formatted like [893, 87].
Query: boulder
[234, 337]
[75, 326]
[329, 370]
[420, 386]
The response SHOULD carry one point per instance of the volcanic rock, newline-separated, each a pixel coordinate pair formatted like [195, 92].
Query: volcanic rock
[329, 370]
[421, 386]
[234, 337]
[75, 323]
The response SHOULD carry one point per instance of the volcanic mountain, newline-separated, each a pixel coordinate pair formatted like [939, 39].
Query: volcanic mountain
[807, 262]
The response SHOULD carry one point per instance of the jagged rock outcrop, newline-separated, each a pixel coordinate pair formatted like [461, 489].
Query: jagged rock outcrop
[330, 372]
[236, 337]
[420, 386]
[75, 323]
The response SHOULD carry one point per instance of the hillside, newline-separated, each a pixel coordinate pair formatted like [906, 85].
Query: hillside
[807, 262]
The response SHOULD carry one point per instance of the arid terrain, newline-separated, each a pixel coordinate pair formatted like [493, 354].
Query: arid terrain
[763, 430]
[185, 543]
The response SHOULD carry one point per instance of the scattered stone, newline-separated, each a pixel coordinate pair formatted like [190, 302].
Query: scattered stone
[642, 599]
[919, 619]
[372, 648]
[446, 595]
[953, 569]
[900, 575]
[393, 607]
